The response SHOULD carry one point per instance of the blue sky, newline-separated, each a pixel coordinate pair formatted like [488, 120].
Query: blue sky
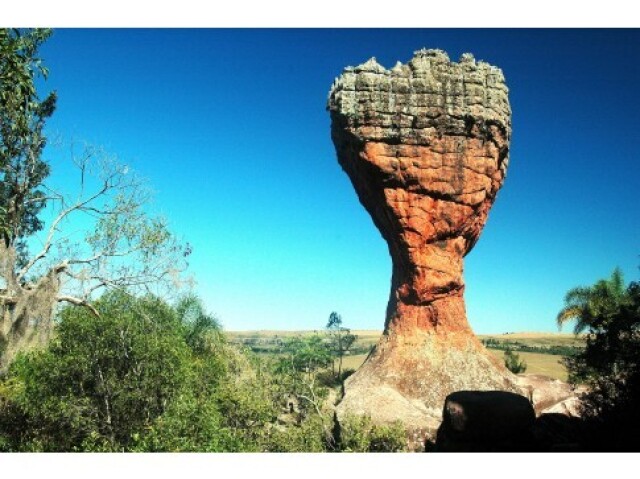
[231, 130]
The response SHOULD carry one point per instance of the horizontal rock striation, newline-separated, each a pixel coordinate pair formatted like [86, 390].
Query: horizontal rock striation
[426, 146]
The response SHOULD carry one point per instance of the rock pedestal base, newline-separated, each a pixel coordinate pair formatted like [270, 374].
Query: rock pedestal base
[407, 378]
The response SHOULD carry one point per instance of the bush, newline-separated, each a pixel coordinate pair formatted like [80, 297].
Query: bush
[513, 362]
[102, 378]
[359, 434]
[309, 436]
[190, 424]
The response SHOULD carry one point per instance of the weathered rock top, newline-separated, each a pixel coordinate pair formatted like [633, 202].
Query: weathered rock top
[426, 97]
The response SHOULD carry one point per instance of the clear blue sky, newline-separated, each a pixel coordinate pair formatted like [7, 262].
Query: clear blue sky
[231, 130]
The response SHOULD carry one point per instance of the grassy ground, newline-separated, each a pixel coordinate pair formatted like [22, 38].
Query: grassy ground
[353, 362]
[546, 364]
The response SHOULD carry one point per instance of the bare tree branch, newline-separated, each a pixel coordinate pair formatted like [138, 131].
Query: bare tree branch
[123, 247]
[78, 302]
[54, 228]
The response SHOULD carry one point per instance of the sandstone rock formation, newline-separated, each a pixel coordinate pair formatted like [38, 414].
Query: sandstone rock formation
[426, 146]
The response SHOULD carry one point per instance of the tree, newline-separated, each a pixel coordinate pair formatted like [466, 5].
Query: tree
[613, 328]
[588, 305]
[199, 325]
[22, 120]
[341, 339]
[297, 367]
[122, 246]
[610, 364]
[305, 354]
[513, 362]
[103, 377]
[360, 434]
[145, 376]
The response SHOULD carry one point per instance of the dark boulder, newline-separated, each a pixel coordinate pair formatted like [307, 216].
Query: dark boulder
[486, 421]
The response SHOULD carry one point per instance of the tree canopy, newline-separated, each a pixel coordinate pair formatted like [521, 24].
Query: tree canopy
[609, 365]
[587, 305]
[340, 337]
[22, 119]
[123, 246]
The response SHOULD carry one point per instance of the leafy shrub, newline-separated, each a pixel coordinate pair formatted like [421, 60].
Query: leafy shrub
[359, 434]
[144, 376]
[309, 436]
[513, 362]
[102, 378]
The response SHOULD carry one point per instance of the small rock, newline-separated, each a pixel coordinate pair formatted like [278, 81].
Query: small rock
[545, 392]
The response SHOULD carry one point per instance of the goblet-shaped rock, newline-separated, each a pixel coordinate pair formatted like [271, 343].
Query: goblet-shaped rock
[426, 146]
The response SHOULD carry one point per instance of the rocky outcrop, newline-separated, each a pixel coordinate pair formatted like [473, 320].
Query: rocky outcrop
[426, 146]
[550, 395]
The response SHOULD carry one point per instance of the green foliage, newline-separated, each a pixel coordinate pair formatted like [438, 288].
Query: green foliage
[553, 349]
[144, 376]
[610, 363]
[359, 434]
[589, 305]
[513, 362]
[190, 423]
[340, 338]
[309, 436]
[105, 377]
[22, 119]
[198, 325]
[609, 311]
[306, 354]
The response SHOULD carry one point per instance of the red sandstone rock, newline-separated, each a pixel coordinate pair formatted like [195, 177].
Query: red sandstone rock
[426, 147]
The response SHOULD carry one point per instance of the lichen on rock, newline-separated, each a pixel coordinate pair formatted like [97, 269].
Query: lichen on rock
[426, 146]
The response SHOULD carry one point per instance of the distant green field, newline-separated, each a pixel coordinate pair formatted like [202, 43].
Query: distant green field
[363, 334]
[538, 339]
[353, 362]
[539, 360]
[265, 341]
[370, 337]
[545, 364]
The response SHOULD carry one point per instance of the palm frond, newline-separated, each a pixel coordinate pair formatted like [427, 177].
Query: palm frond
[567, 314]
[578, 296]
[617, 282]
